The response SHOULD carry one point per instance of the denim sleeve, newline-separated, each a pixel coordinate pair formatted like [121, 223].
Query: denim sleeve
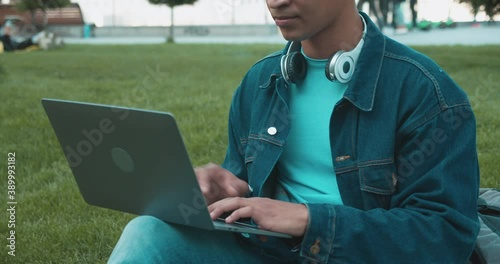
[432, 215]
[234, 160]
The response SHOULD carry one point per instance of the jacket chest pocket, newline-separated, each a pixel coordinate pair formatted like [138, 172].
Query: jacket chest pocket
[260, 158]
[377, 183]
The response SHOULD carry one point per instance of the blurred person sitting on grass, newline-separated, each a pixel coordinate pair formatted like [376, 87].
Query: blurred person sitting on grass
[363, 156]
[42, 40]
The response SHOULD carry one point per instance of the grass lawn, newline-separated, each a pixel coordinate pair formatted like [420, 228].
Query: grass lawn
[196, 82]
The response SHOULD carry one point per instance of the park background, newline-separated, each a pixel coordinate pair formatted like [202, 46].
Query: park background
[196, 82]
[223, 12]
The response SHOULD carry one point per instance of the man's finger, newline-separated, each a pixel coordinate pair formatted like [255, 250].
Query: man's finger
[226, 205]
[242, 212]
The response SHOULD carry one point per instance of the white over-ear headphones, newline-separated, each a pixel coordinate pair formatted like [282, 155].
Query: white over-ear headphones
[340, 66]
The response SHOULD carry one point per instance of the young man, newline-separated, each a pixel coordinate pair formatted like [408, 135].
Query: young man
[9, 44]
[373, 162]
[42, 39]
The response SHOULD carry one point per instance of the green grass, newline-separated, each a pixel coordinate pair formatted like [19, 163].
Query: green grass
[196, 82]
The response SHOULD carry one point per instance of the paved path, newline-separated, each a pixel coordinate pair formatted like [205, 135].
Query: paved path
[451, 36]
[466, 35]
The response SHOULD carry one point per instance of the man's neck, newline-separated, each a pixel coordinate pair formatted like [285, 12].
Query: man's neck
[344, 34]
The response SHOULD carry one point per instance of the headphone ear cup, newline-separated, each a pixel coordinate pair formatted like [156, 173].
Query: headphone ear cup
[295, 67]
[330, 66]
[340, 67]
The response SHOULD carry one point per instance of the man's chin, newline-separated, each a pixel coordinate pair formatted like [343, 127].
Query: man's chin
[291, 37]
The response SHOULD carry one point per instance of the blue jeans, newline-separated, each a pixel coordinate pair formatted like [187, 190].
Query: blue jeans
[399, 16]
[147, 239]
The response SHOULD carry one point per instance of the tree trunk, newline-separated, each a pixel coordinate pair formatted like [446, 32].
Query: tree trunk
[170, 38]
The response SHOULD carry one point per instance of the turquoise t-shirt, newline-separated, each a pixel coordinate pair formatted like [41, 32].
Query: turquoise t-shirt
[306, 166]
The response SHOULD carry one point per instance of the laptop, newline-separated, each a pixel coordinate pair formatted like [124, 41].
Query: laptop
[134, 161]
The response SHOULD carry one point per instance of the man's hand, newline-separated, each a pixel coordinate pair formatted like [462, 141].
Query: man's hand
[217, 183]
[272, 215]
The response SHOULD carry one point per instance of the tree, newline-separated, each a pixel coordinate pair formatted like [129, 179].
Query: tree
[491, 7]
[171, 4]
[35, 6]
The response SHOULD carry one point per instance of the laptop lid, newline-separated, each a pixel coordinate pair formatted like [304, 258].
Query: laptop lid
[130, 160]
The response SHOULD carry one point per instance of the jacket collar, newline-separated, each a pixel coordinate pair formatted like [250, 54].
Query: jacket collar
[361, 90]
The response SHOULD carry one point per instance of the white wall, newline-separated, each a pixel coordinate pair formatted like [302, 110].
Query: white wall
[226, 12]
[203, 12]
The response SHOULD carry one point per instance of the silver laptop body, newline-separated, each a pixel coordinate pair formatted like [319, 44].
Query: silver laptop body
[134, 161]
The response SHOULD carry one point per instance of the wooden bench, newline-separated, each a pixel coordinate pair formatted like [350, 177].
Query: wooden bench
[70, 15]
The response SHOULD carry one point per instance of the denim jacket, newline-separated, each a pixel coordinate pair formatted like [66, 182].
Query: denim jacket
[403, 148]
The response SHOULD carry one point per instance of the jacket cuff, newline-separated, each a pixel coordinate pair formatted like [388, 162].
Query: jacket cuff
[318, 240]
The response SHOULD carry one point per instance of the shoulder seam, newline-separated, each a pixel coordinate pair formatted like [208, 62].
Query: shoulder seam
[442, 101]
[433, 114]
[272, 55]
